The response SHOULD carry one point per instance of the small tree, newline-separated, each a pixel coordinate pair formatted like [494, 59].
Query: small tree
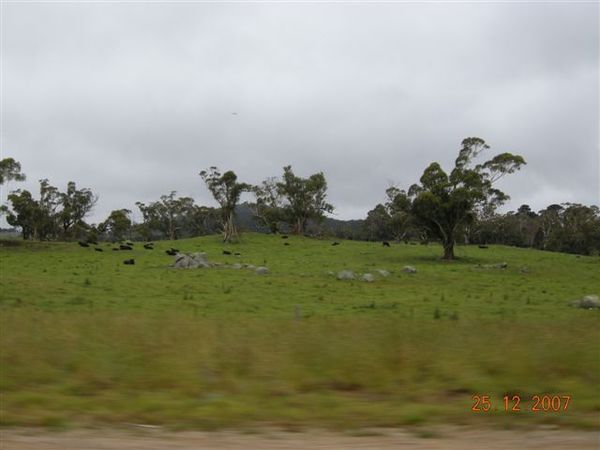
[25, 213]
[443, 203]
[227, 192]
[167, 215]
[268, 208]
[54, 215]
[398, 207]
[117, 225]
[76, 204]
[377, 224]
[37, 218]
[10, 170]
[305, 198]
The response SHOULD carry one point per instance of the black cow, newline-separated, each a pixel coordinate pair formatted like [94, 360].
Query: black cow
[286, 243]
[129, 262]
[226, 252]
[115, 249]
[483, 246]
[125, 247]
[336, 243]
[92, 242]
[129, 243]
[83, 244]
[98, 249]
[237, 254]
[284, 237]
[172, 252]
[148, 246]
[385, 244]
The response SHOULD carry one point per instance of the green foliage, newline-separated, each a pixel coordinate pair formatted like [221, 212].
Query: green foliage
[118, 225]
[392, 220]
[227, 192]
[304, 198]
[570, 227]
[10, 170]
[378, 223]
[172, 216]
[268, 209]
[75, 205]
[443, 204]
[27, 214]
[54, 215]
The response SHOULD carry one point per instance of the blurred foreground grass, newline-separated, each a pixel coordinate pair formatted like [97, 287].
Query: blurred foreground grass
[61, 368]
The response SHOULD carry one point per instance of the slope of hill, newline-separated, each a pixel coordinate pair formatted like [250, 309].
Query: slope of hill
[87, 339]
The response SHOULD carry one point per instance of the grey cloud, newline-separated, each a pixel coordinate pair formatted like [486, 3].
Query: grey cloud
[133, 100]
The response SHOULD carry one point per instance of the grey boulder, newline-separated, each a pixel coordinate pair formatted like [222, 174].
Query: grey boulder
[346, 275]
[587, 302]
[409, 269]
[192, 261]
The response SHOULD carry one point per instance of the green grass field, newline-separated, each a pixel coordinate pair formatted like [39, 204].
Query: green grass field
[88, 340]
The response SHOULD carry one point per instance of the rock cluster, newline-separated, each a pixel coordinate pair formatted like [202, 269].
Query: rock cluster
[366, 277]
[587, 302]
[191, 261]
[200, 261]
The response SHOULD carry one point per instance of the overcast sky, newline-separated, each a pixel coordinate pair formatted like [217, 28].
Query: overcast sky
[132, 100]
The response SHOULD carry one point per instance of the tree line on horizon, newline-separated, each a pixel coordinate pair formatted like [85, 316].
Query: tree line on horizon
[455, 207]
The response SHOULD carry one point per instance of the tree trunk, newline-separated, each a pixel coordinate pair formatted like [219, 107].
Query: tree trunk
[449, 250]
[229, 231]
[299, 226]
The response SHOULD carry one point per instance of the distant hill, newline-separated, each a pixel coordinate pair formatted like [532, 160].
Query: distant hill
[345, 229]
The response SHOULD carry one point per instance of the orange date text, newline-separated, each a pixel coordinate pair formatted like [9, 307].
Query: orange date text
[544, 403]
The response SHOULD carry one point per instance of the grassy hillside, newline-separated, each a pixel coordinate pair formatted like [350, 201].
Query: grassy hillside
[86, 339]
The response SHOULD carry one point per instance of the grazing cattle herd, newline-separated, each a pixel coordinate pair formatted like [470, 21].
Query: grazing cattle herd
[173, 251]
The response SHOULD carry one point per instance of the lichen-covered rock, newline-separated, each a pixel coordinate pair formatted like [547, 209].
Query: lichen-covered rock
[261, 270]
[368, 277]
[587, 302]
[409, 269]
[181, 262]
[346, 275]
[192, 261]
[384, 273]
